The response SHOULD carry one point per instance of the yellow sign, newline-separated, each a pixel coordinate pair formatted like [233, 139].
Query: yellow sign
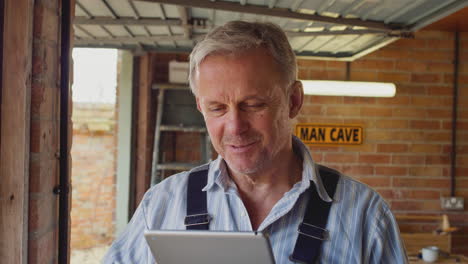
[329, 134]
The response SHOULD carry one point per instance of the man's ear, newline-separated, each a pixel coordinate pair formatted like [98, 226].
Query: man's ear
[198, 104]
[296, 98]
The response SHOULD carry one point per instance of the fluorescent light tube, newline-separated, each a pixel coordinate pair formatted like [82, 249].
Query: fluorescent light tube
[347, 88]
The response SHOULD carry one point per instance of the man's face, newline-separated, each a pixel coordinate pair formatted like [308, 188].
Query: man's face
[247, 112]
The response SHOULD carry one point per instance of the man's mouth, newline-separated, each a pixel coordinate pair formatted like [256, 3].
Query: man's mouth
[242, 147]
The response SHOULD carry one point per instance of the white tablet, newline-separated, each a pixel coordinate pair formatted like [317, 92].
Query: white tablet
[209, 247]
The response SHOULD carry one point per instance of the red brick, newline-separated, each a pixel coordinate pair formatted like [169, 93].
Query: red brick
[404, 112]
[411, 89]
[431, 101]
[461, 159]
[412, 135]
[437, 136]
[427, 205]
[303, 74]
[315, 99]
[430, 55]
[412, 66]
[419, 194]
[379, 135]
[342, 111]
[398, 100]
[391, 171]
[442, 44]
[376, 111]
[407, 159]
[317, 157]
[425, 171]
[373, 64]
[463, 114]
[375, 181]
[363, 76]
[357, 170]
[439, 113]
[340, 157]
[426, 78]
[326, 75]
[440, 67]
[336, 64]
[385, 193]
[390, 53]
[336, 75]
[392, 148]
[361, 148]
[392, 124]
[448, 78]
[463, 67]
[440, 90]
[409, 43]
[310, 63]
[312, 110]
[374, 158]
[393, 77]
[422, 124]
[358, 100]
[94, 162]
[425, 148]
[421, 183]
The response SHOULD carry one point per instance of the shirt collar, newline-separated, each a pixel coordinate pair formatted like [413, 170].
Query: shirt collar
[218, 175]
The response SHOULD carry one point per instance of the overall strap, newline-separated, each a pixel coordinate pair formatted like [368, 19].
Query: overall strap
[197, 214]
[312, 231]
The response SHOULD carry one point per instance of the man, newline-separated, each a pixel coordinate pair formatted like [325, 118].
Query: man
[243, 76]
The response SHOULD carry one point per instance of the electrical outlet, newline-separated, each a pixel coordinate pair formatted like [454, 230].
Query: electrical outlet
[452, 203]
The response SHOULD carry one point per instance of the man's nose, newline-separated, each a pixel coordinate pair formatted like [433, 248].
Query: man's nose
[237, 122]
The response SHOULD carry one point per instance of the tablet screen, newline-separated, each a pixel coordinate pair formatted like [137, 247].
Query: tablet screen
[209, 247]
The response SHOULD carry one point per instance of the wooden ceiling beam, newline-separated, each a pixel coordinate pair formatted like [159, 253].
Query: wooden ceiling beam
[280, 12]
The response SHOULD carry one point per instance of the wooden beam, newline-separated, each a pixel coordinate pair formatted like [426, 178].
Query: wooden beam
[126, 40]
[143, 133]
[280, 12]
[14, 133]
[126, 21]
[2, 9]
[184, 18]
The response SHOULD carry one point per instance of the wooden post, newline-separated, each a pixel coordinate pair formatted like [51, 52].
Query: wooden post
[143, 134]
[14, 133]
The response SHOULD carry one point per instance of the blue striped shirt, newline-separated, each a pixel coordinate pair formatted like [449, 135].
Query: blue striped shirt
[361, 226]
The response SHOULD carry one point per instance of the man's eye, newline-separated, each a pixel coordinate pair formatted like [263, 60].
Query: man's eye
[255, 106]
[215, 109]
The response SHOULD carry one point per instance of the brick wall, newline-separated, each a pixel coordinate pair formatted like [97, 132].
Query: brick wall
[93, 175]
[407, 139]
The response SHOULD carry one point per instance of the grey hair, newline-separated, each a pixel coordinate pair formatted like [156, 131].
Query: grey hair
[238, 36]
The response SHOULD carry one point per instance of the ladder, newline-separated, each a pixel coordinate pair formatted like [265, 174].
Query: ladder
[177, 112]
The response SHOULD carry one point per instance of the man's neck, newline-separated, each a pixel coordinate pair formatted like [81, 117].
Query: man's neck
[261, 191]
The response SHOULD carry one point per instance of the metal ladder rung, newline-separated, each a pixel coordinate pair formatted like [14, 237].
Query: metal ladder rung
[177, 166]
[183, 128]
[205, 148]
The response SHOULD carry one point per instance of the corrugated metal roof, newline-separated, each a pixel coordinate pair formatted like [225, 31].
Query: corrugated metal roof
[340, 29]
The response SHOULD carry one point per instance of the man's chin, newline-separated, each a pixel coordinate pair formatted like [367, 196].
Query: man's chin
[244, 168]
